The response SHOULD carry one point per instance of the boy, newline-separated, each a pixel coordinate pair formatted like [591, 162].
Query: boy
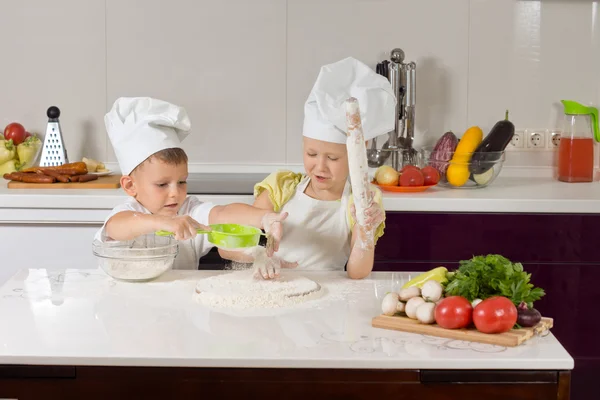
[146, 135]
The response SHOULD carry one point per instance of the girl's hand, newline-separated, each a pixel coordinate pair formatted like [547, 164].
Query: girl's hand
[272, 224]
[183, 227]
[269, 267]
[374, 216]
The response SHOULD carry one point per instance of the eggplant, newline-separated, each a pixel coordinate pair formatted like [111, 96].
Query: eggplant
[528, 317]
[489, 150]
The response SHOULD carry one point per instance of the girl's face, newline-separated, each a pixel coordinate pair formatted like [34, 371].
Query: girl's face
[326, 164]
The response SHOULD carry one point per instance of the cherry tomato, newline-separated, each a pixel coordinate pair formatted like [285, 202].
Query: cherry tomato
[495, 315]
[412, 177]
[454, 312]
[16, 132]
[431, 175]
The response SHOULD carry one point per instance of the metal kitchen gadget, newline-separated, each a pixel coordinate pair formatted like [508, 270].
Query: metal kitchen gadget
[229, 236]
[399, 145]
[54, 152]
[576, 148]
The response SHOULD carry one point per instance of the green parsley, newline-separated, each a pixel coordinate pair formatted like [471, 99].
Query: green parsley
[492, 275]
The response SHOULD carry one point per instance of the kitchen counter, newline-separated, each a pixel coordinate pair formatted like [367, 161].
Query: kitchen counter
[508, 194]
[82, 318]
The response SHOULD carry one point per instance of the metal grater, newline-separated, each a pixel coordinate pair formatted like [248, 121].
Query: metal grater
[54, 151]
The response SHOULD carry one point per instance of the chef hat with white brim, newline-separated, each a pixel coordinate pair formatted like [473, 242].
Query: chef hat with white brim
[324, 111]
[139, 127]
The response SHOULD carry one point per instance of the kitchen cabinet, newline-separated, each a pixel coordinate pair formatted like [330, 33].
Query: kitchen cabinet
[91, 383]
[52, 245]
[559, 250]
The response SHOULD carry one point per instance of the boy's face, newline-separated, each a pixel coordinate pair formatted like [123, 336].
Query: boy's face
[326, 164]
[158, 186]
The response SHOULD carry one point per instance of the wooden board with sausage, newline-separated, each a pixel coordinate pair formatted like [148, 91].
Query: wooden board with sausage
[72, 175]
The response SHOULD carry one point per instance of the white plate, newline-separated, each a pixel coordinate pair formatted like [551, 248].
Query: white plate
[102, 173]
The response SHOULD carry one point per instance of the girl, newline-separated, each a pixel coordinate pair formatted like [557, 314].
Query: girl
[321, 232]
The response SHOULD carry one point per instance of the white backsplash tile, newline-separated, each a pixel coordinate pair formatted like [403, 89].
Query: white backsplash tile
[224, 61]
[53, 54]
[526, 56]
[321, 32]
[244, 69]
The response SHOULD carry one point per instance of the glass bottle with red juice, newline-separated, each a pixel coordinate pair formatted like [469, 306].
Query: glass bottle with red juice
[576, 149]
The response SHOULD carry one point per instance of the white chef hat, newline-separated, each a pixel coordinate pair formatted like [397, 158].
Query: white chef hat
[324, 112]
[141, 126]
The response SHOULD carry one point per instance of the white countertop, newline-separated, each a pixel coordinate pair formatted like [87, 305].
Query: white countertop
[83, 317]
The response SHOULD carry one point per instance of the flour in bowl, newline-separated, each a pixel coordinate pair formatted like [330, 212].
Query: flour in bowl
[136, 270]
[241, 290]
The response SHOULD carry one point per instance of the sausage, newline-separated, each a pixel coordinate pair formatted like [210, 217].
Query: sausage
[31, 178]
[87, 177]
[75, 178]
[76, 168]
[14, 176]
[59, 176]
[64, 171]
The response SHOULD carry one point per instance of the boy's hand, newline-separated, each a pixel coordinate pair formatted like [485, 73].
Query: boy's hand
[272, 224]
[183, 227]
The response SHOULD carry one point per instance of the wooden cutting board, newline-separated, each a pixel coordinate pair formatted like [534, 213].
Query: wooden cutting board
[103, 182]
[511, 338]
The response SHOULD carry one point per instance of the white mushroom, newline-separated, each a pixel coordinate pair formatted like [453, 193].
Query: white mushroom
[412, 305]
[400, 307]
[390, 303]
[432, 291]
[426, 313]
[408, 293]
[475, 302]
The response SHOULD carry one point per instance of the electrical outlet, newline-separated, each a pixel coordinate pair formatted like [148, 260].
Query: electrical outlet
[517, 142]
[536, 139]
[553, 139]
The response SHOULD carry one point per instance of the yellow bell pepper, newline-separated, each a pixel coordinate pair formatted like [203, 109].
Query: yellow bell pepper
[436, 274]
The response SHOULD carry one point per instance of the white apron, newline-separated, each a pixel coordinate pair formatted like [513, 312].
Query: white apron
[316, 233]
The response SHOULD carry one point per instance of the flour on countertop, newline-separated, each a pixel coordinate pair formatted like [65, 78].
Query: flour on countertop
[256, 301]
[242, 290]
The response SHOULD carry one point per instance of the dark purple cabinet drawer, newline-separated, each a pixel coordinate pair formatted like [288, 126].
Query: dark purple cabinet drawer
[521, 237]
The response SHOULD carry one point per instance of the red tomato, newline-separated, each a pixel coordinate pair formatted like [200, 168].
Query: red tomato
[16, 132]
[411, 177]
[407, 167]
[495, 315]
[431, 175]
[27, 134]
[454, 312]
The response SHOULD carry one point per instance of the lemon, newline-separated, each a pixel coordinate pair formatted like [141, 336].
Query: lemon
[457, 174]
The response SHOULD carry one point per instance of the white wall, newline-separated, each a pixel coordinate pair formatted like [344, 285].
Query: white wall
[243, 68]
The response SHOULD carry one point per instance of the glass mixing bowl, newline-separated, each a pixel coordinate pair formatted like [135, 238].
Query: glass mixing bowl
[145, 258]
[466, 171]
